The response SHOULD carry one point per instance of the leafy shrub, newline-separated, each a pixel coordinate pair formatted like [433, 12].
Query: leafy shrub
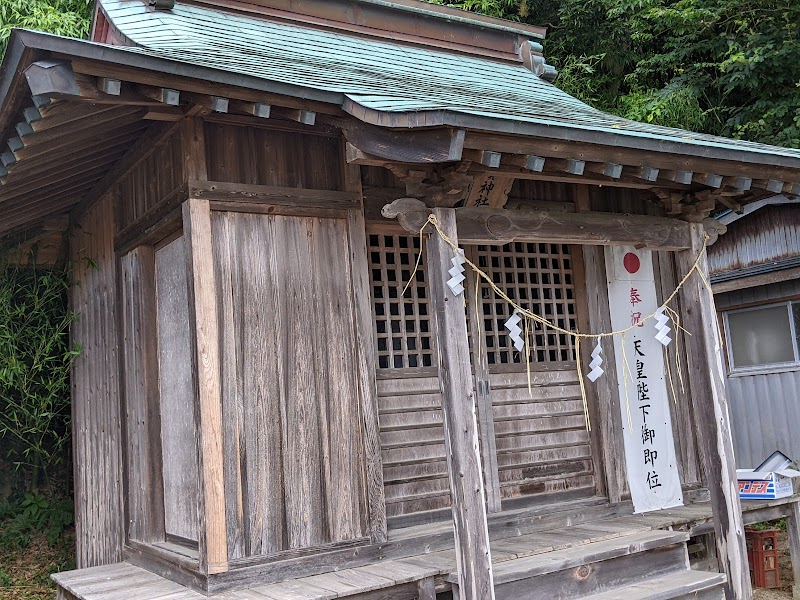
[64, 17]
[34, 513]
[35, 360]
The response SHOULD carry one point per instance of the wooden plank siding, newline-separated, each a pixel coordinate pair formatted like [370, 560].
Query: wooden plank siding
[542, 442]
[262, 156]
[176, 392]
[293, 441]
[149, 182]
[96, 405]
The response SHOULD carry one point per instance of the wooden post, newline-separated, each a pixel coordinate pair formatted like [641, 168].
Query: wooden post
[367, 351]
[473, 556]
[793, 529]
[484, 402]
[205, 337]
[712, 421]
[603, 396]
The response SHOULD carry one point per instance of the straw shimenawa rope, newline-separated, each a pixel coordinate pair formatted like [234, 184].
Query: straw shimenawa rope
[578, 336]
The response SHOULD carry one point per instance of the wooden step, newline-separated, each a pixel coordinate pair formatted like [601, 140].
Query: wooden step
[591, 568]
[577, 556]
[688, 584]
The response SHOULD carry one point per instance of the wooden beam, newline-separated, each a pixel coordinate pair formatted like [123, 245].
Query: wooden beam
[709, 179]
[79, 129]
[771, 185]
[629, 157]
[162, 95]
[220, 191]
[756, 280]
[475, 581]
[570, 165]
[194, 149]
[367, 351]
[712, 419]
[206, 369]
[490, 159]
[646, 172]
[23, 128]
[792, 188]
[683, 177]
[414, 147]
[739, 183]
[534, 163]
[210, 103]
[496, 226]
[609, 169]
[255, 109]
[112, 87]
[604, 394]
[304, 117]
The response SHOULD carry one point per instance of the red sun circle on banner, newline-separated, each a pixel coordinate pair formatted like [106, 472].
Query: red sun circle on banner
[631, 263]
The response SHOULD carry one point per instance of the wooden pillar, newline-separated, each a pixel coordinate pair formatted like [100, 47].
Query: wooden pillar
[793, 529]
[367, 351]
[205, 338]
[589, 266]
[712, 421]
[484, 401]
[473, 556]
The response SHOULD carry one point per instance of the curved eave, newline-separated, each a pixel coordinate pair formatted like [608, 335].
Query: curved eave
[23, 40]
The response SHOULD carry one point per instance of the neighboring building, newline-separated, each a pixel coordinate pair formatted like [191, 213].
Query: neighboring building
[755, 274]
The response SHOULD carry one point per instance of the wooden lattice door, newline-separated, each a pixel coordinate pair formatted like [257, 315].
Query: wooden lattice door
[541, 444]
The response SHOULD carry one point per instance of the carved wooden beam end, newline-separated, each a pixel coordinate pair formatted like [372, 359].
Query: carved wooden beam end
[411, 213]
[713, 229]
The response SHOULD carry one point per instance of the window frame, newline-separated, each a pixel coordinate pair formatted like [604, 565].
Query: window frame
[733, 369]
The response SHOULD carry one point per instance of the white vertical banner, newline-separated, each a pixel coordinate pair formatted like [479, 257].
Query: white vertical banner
[644, 401]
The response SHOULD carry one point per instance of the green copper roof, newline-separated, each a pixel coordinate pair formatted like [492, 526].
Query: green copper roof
[375, 80]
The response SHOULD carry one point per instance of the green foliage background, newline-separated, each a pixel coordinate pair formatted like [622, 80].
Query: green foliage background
[64, 17]
[726, 67]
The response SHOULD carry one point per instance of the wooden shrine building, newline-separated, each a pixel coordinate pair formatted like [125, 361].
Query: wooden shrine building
[263, 410]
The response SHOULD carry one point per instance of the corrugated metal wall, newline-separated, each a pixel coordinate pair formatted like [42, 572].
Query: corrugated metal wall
[765, 411]
[765, 408]
[769, 234]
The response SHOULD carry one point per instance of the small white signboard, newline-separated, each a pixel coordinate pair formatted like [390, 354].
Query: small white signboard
[644, 401]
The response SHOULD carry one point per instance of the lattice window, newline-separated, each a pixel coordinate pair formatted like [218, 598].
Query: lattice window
[403, 327]
[539, 278]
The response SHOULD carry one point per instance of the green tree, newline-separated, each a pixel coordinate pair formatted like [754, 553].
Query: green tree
[64, 17]
[727, 67]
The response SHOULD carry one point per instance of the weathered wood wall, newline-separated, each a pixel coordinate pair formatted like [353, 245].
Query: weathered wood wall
[284, 158]
[96, 418]
[542, 442]
[176, 392]
[293, 442]
[156, 177]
